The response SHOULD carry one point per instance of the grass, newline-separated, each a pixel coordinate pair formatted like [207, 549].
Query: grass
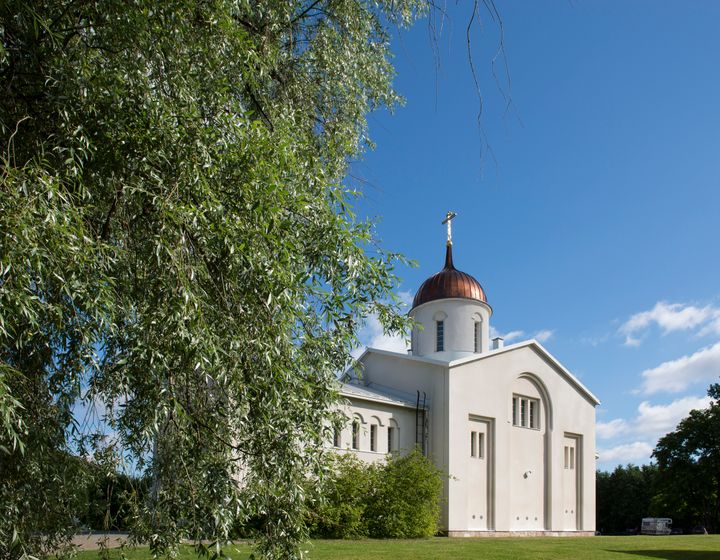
[690, 547]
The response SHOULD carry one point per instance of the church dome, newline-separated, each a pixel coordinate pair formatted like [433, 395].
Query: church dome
[449, 283]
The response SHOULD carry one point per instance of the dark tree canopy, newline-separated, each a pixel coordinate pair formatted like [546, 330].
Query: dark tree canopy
[689, 466]
[177, 248]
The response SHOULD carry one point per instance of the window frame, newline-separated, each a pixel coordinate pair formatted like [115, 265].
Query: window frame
[526, 412]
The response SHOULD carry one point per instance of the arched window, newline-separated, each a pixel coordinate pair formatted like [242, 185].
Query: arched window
[375, 424]
[393, 436]
[356, 434]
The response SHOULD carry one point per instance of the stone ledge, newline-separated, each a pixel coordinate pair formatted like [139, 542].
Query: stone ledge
[500, 534]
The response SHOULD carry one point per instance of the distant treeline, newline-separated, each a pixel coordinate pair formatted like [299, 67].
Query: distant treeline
[630, 493]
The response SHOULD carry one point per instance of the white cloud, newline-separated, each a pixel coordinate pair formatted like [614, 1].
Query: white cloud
[507, 337]
[406, 298]
[632, 341]
[372, 335]
[671, 317]
[541, 335]
[608, 430]
[712, 327]
[512, 335]
[627, 452]
[677, 375]
[657, 420]
[544, 335]
[651, 423]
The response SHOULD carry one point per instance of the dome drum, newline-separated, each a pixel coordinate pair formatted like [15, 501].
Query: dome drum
[451, 312]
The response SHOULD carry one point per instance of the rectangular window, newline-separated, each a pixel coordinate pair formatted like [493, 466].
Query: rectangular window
[440, 336]
[567, 454]
[526, 412]
[473, 441]
[373, 437]
[336, 437]
[572, 457]
[477, 337]
[391, 439]
[356, 435]
[481, 445]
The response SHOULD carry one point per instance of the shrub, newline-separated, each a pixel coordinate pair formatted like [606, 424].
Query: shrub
[342, 499]
[406, 503]
[397, 499]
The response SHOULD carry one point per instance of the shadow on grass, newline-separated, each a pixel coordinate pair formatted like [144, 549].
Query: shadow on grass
[673, 554]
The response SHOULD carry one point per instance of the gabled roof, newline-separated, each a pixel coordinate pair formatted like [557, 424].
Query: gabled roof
[532, 344]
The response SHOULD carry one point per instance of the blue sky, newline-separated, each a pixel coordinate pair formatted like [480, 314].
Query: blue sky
[589, 210]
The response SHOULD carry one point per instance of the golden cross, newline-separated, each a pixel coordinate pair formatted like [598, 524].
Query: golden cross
[448, 220]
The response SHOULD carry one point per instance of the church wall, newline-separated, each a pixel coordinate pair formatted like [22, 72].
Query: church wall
[520, 484]
[383, 416]
[408, 375]
[528, 464]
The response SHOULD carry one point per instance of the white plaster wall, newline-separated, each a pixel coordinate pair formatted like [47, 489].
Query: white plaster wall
[527, 475]
[485, 387]
[459, 316]
[383, 415]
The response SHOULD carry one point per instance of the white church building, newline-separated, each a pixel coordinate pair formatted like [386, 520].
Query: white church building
[512, 428]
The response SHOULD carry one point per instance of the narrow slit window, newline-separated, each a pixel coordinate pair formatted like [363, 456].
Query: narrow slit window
[373, 437]
[477, 337]
[473, 440]
[481, 445]
[533, 412]
[336, 437]
[515, 412]
[391, 438]
[356, 435]
[523, 412]
[572, 457]
[440, 336]
[567, 454]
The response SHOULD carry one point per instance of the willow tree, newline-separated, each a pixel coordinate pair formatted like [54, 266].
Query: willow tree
[177, 248]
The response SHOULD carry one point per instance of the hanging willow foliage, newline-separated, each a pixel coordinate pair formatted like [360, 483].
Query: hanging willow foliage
[178, 250]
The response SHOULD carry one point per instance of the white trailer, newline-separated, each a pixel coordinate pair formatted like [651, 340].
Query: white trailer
[656, 526]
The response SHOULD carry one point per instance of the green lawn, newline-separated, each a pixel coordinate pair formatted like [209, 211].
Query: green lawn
[696, 547]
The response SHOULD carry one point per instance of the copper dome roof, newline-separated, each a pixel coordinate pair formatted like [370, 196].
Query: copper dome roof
[449, 283]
